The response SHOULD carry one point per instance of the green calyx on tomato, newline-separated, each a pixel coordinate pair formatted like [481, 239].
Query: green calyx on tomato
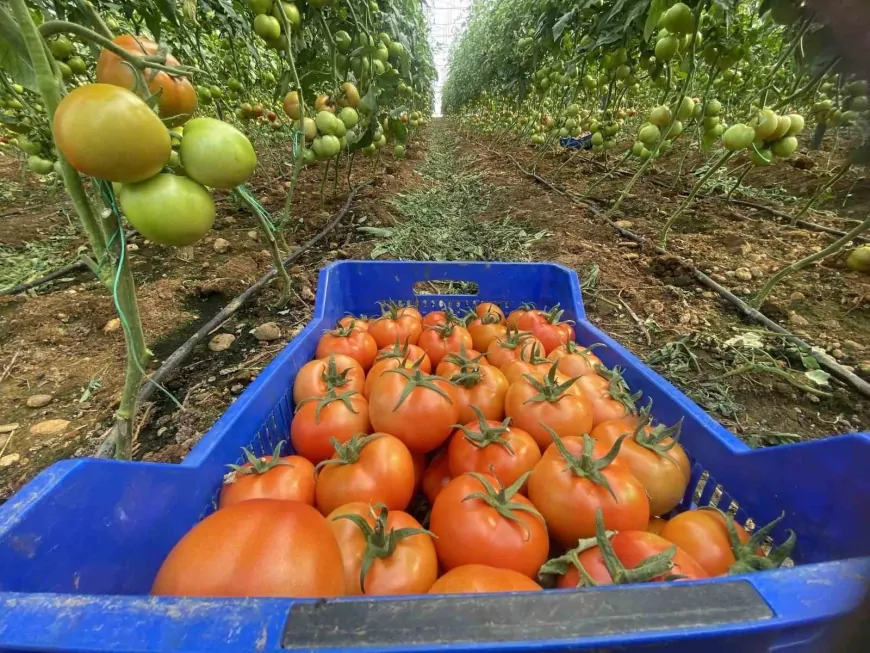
[379, 542]
[332, 378]
[619, 389]
[486, 434]
[417, 379]
[746, 556]
[655, 566]
[659, 439]
[501, 500]
[257, 464]
[548, 389]
[331, 397]
[586, 465]
[348, 453]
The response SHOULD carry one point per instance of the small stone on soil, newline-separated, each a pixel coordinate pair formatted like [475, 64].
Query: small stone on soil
[253, 235]
[38, 401]
[625, 224]
[266, 332]
[743, 274]
[237, 389]
[709, 295]
[221, 245]
[112, 325]
[8, 428]
[851, 345]
[631, 256]
[798, 319]
[307, 294]
[132, 247]
[797, 297]
[49, 427]
[7, 460]
[838, 354]
[221, 341]
[718, 278]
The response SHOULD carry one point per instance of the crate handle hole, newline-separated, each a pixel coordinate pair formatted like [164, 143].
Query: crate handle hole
[446, 288]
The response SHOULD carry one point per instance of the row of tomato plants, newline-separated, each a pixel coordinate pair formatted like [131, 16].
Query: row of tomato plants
[157, 145]
[525, 461]
[656, 81]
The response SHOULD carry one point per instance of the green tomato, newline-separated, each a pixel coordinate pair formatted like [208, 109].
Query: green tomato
[290, 11]
[797, 124]
[637, 148]
[216, 92]
[77, 65]
[679, 19]
[349, 117]
[738, 137]
[399, 151]
[676, 130]
[687, 106]
[168, 209]
[343, 41]
[65, 71]
[710, 122]
[784, 147]
[28, 146]
[660, 116]
[267, 27]
[859, 103]
[713, 108]
[761, 157]
[649, 135]
[856, 88]
[39, 165]
[397, 50]
[260, 6]
[598, 138]
[234, 85]
[666, 48]
[859, 259]
[216, 154]
[60, 48]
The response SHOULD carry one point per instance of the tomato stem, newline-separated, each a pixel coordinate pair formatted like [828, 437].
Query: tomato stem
[259, 465]
[501, 501]
[348, 453]
[587, 466]
[486, 434]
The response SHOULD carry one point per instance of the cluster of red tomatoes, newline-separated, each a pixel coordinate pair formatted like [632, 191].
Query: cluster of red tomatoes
[108, 130]
[529, 453]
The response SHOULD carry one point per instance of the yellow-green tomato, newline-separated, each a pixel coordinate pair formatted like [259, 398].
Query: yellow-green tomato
[399, 151]
[738, 137]
[349, 117]
[784, 147]
[168, 209]
[216, 154]
[859, 259]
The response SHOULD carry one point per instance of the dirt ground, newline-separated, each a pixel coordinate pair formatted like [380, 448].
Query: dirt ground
[63, 340]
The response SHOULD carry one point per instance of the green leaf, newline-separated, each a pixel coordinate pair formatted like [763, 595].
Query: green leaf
[819, 377]
[400, 130]
[168, 9]
[283, 85]
[562, 23]
[657, 8]
[153, 20]
[13, 53]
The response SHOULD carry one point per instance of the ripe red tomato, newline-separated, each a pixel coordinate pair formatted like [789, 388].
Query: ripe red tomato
[537, 402]
[109, 133]
[516, 345]
[492, 447]
[525, 312]
[531, 363]
[375, 468]
[386, 360]
[654, 457]
[410, 567]
[656, 524]
[417, 408]
[439, 341]
[359, 345]
[436, 477]
[482, 387]
[575, 360]
[177, 96]
[454, 362]
[335, 372]
[397, 325]
[290, 478]
[476, 520]
[488, 325]
[437, 318]
[547, 328]
[483, 579]
[352, 322]
[610, 398]
[632, 552]
[564, 490]
[318, 420]
[704, 536]
[484, 309]
[261, 547]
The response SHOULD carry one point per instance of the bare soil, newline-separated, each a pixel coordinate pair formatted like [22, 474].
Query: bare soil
[61, 339]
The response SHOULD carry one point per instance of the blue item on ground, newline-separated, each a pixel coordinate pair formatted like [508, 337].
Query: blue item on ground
[582, 142]
[80, 544]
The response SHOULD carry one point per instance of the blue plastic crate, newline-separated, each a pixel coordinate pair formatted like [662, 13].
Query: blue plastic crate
[81, 544]
[582, 142]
